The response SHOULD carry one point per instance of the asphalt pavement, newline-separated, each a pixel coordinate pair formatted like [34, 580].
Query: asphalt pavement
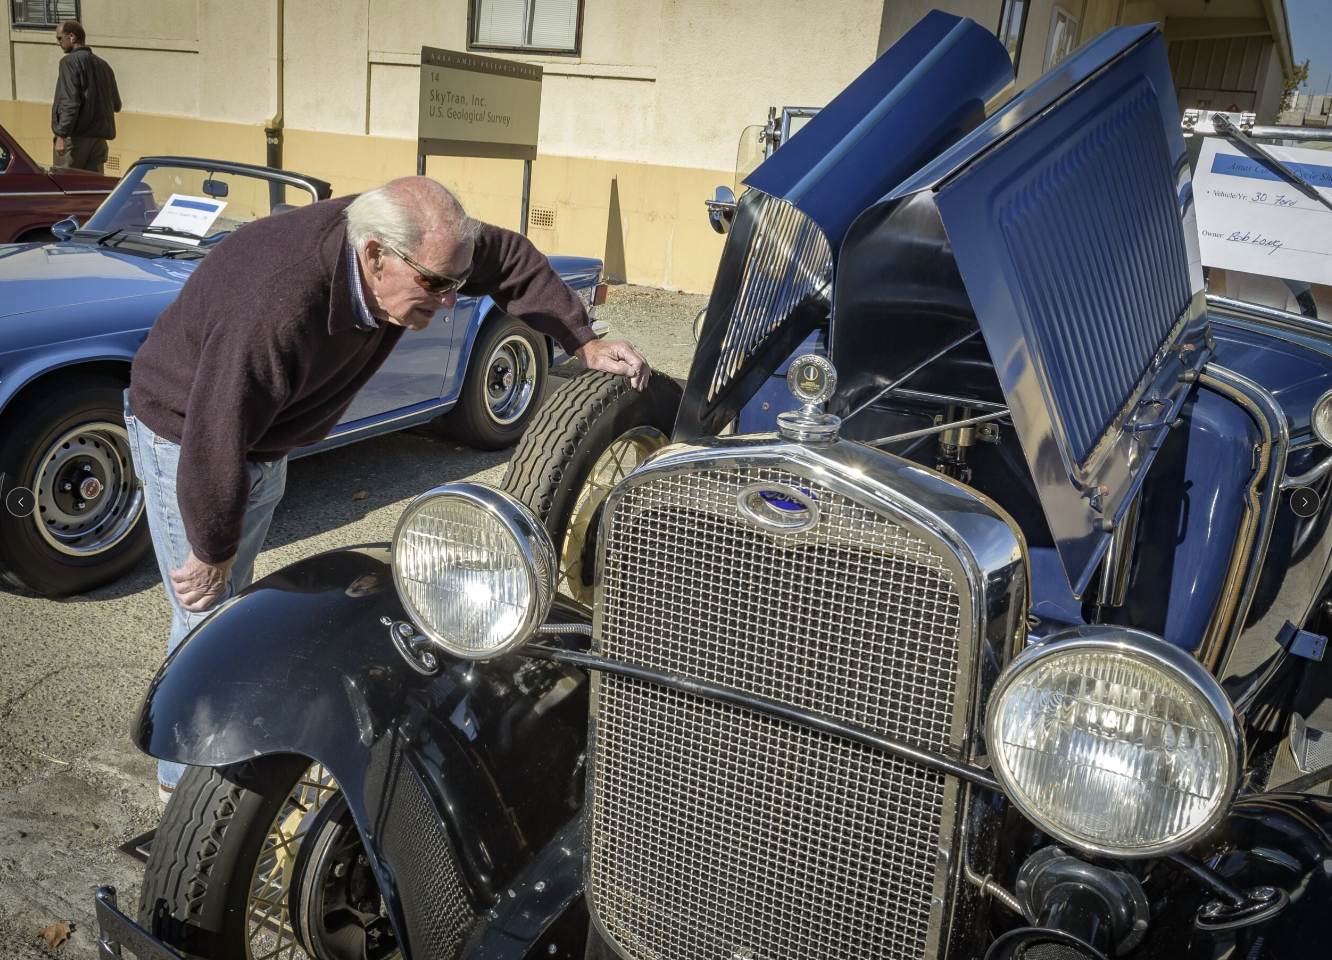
[73, 670]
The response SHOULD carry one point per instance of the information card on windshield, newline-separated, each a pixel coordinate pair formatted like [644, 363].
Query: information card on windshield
[187, 215]
[1251, 218]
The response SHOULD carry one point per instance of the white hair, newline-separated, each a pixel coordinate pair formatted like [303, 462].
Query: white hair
[388, 214]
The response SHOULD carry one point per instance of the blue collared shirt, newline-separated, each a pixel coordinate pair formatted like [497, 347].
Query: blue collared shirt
[363, 316]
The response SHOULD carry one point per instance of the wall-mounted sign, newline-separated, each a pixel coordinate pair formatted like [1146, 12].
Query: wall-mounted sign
[475, 106]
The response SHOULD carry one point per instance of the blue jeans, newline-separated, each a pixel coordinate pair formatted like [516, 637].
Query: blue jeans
[155, 463]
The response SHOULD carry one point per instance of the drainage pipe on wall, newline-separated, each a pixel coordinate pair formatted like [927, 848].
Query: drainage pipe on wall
[273, 125]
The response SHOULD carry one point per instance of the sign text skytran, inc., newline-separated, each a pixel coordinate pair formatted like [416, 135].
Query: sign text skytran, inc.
[476, 106]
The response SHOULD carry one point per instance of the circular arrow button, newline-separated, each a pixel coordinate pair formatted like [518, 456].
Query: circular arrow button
[1304, 501]
[20, 501]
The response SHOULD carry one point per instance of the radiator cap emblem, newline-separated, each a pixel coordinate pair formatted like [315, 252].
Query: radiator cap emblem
[812, 380]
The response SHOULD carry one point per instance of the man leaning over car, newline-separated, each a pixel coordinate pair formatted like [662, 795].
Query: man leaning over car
[273, 336]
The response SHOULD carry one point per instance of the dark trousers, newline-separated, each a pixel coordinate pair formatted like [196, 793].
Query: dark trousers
[84, 153]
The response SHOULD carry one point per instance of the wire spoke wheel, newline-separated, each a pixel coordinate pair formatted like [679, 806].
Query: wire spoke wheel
[269, 934]
[263, 861]
[619, 460]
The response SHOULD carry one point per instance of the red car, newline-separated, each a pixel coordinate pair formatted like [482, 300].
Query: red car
[32, 197]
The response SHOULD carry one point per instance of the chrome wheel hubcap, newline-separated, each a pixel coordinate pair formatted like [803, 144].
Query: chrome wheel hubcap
[510, 379]
[88, 499]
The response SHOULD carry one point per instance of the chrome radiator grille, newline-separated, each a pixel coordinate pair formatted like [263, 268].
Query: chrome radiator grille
[718, 832]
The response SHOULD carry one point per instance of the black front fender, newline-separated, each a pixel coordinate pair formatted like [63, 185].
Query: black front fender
[302, 663]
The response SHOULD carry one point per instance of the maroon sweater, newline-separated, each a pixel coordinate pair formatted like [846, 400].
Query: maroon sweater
[261, 352]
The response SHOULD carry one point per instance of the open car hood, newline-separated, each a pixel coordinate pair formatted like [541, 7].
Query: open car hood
[921, 96]
[1063, 228]
[777, 269]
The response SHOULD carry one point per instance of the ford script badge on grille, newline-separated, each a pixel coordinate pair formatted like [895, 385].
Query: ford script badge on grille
[779, 508]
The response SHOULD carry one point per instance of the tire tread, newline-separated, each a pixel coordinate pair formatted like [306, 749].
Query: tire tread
[180, 876]
[551, 442]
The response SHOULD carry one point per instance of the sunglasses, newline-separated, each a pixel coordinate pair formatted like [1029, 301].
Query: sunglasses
[432, 283]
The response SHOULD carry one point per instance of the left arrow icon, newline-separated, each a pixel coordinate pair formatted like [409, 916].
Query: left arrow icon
[20, 501]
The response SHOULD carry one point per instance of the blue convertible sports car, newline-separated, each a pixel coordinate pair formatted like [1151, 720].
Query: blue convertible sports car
[73, 313]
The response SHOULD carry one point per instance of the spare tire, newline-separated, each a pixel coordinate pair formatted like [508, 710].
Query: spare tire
[584, 439]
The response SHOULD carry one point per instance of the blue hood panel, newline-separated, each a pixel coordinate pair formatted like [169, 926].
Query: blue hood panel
[922, 95]
[52, 275]
[1070, 216]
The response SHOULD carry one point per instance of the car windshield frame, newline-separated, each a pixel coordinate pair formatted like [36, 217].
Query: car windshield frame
[158, 243]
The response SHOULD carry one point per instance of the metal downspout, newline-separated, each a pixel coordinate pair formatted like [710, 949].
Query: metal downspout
[273, 125]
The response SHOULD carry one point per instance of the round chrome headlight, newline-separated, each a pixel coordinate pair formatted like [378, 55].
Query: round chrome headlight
[1114, 741]
[474, 568]
[1320, 419]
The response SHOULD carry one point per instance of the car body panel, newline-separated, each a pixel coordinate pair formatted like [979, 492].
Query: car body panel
[494, 747]
[33, 197]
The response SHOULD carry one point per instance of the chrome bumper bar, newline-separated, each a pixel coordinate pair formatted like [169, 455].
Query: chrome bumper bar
[115, 932]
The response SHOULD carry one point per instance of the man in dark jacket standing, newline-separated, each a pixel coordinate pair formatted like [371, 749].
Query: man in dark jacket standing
[271, 339]
[83, 117]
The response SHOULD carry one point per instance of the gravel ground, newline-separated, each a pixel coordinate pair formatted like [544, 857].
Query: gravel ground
[72, 788]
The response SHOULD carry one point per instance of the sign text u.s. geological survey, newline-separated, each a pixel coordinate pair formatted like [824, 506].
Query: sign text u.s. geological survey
[473, 106]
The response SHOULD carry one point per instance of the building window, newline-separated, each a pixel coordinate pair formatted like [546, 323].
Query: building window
[1012, 25]
[1063, 35]
[537, 26]
[42, 14]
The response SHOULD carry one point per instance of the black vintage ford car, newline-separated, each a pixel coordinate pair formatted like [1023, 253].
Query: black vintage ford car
[969, 602]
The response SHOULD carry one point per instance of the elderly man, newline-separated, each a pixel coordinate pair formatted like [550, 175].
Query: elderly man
[273, 336]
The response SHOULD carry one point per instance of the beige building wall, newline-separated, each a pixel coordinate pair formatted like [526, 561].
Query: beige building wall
[635, 131]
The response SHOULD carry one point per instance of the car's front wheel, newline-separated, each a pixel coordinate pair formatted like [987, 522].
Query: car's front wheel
[263, 859]
[68, 446]
[505, 380]
[587, 437]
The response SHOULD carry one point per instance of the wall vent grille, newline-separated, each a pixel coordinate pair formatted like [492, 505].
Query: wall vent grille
[541, 217]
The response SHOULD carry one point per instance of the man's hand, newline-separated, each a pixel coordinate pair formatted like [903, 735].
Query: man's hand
[616, 356]
[61, 146]
[198, 585]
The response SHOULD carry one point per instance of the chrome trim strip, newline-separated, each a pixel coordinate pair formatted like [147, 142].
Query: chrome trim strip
[1115, 568]
[1264, 493]
[1284, 318]
[1304, 479]
[432, 410]
[748, 701]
